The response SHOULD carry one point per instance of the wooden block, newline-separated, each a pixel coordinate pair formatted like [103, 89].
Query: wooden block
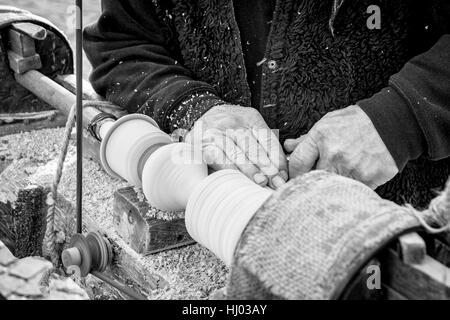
[146, 236]
[21, 65]
[29, 217]
[167, 235]
[7, 235]
[32, 30]
[413, 248]
[21, 44]
[429, 280]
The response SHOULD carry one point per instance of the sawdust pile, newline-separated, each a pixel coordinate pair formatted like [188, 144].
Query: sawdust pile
[192, 272]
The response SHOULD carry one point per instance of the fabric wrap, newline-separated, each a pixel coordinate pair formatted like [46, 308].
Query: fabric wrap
[311, 237]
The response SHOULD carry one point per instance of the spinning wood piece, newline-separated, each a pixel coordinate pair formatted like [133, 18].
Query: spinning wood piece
[218, 207]
[171, 175]
[128, 143]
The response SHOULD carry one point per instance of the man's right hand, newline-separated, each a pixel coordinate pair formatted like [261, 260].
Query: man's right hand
[234, 137]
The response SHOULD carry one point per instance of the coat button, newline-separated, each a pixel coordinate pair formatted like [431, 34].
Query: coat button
[272, 64]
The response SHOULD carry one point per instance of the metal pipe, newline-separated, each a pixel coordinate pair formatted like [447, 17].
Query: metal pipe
[79, 117]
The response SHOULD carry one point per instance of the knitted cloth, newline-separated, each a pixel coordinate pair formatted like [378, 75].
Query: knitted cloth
[312, 236]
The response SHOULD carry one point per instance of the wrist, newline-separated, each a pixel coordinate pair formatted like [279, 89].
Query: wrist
[183, 117]
[396, 125]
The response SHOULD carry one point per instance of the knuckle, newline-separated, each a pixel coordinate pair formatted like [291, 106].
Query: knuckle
[364, 176]
[296, 162]
[336, 156]
[317, 134]
[252, 111]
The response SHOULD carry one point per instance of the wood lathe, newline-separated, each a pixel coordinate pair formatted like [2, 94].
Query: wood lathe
[99, 123]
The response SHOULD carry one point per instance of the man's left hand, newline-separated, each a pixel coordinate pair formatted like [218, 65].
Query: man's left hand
[344, 142]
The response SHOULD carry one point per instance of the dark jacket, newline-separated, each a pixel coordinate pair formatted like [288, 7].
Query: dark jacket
[151, 56]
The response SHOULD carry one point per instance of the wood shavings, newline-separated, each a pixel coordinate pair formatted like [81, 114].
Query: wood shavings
[154, 213]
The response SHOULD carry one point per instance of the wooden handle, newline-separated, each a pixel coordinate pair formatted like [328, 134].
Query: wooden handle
[52, 93]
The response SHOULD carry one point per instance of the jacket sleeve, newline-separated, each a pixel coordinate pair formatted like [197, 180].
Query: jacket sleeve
[136, 65]
[412, 115]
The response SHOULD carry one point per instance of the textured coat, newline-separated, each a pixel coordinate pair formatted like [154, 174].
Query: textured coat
[309, 71]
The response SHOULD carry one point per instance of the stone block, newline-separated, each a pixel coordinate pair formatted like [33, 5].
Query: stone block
[30, 289]
[6, 257]
[9, 284]
[28, 268]
[65, 289]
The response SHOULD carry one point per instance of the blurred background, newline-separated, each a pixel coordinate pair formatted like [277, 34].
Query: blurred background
[61, 13]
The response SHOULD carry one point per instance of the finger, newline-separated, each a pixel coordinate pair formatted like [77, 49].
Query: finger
[216, 159]
[254, 151]
[304, 158]
[270, 143]
[325, 165]
[209, 142]
[238, 157]
[221, 153]
[291, 144]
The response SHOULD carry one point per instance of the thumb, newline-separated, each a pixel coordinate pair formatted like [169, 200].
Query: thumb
[291, 144]
[304, 157]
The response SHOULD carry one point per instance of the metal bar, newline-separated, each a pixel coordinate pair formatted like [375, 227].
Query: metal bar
[79, 104]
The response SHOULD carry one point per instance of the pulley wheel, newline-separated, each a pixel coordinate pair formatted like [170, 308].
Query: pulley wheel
[79, 241]
[101, 251]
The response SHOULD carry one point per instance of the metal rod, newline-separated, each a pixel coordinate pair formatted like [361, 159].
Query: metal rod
[128, 291]
[79, 105]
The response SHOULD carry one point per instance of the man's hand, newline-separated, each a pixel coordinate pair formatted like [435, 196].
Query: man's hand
[344, 142]
[234, 137]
